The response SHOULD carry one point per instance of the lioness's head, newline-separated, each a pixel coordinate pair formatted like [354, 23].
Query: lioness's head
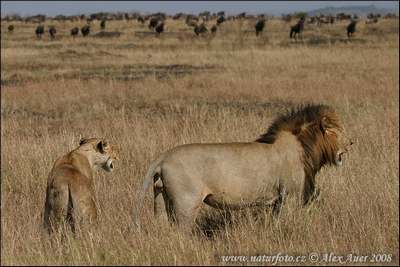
[100, 153]
[336, 138]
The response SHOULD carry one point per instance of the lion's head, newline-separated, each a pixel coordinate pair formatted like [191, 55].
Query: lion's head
[320, 132]
[100, 153]
[338, 136]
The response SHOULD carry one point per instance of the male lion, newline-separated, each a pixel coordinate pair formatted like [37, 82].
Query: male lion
[70, 195]
[283, 161]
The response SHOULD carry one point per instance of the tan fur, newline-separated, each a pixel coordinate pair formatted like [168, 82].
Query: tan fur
[70, 196]
[284, 161]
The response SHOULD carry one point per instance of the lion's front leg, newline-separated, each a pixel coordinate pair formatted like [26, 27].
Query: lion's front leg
[279, 202]
[310, 193]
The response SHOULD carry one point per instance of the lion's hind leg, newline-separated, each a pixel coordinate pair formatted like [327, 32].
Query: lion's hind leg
[57, 208]
[185, 210]
[161, 201]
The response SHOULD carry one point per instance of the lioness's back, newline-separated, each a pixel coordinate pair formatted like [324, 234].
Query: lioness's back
[70, 192]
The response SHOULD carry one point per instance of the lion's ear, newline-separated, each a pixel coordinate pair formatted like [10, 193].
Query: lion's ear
[83, 141]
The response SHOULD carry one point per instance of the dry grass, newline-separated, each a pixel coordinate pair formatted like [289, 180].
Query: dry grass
[149, 94]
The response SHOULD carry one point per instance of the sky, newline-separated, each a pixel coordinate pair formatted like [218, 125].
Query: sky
[52, 8]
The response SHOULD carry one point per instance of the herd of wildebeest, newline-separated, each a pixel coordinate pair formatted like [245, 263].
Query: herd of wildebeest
[157, 21]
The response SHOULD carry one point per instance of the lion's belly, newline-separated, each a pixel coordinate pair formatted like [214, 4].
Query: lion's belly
[234, 175]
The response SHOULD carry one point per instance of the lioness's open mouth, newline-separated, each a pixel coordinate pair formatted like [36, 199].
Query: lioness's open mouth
[339, 158]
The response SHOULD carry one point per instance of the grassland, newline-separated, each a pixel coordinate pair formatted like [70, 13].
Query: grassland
[149, 94]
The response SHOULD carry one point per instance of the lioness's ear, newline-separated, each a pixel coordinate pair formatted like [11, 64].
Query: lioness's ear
[101, 145]
[83, 141]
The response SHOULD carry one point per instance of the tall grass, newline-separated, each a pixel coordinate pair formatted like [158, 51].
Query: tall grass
[151, 94]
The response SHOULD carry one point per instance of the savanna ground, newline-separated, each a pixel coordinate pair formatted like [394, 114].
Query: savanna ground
[149, 94]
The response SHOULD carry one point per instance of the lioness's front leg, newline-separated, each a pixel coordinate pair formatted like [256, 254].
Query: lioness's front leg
[84, 210]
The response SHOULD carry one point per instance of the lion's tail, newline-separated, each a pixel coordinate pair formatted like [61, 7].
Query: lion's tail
[154, 169]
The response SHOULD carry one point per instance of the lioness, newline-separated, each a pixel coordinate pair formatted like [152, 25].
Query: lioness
[282, 162]
[70, 195]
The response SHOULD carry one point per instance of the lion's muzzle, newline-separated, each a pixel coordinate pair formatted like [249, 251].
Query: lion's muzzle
[339, 155]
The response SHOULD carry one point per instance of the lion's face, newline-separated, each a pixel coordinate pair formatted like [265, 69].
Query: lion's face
[102, 154]
[344, 144]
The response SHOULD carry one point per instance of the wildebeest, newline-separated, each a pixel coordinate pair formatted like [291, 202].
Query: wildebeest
[372, 16]
[85, 30]
[191, 23]
[221, 13]
[372, 20]
[39, 31]
[220, 20]
[241, 15]
[297, 28]
[103, 24]
[259, 26]
[159, 28]
[74, 31]
[390, 16]
[10, 28]
[153, 22]
[140, 19]
[351, 28]
[177, 16]
[191, 18]
[52, 32]
[200, 29]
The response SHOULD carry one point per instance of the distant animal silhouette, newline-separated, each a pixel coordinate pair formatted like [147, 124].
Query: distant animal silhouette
[52, 32]
[220, 20]
[103, 24]
[297, 29]
[200, 29]
[10, 28]
[159, 28]
[39, 31]
[351, 28]
[259, 26]
[74, 31]
[153, 22]
[140, 19]
[85, 30]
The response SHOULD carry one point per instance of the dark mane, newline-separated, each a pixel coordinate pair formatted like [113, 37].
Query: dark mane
[305, 122]
[297, 119]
